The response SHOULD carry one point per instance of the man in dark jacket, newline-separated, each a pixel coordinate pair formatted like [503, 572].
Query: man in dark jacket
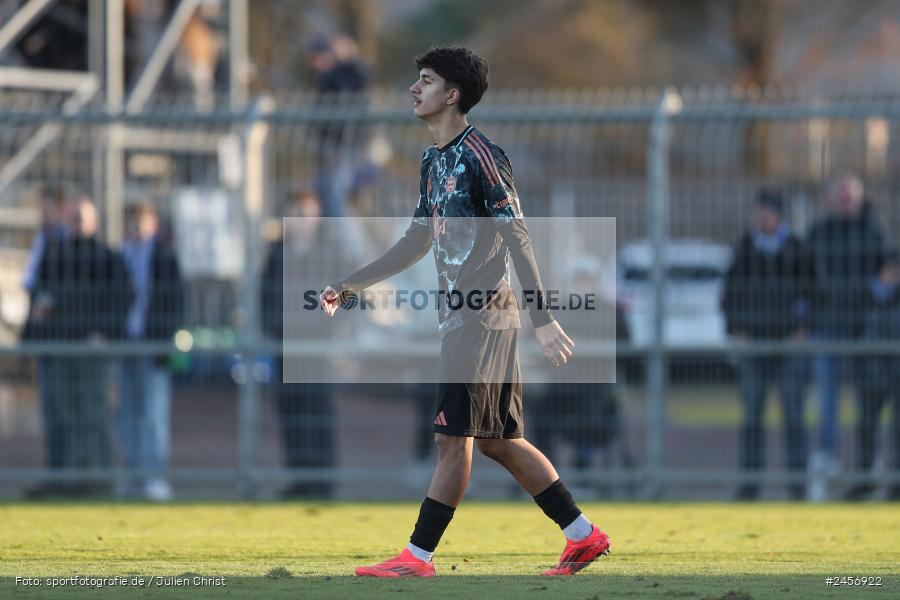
[145, 385]
[306, 410]
[766, 298]
[81, 294]
[846, 246]
[54, 201]
[879, 375]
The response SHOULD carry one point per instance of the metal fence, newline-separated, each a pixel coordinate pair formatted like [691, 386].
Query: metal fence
[679, 171]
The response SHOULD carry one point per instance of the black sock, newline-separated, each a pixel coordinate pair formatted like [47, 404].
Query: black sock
[557, 503]
[433, 520]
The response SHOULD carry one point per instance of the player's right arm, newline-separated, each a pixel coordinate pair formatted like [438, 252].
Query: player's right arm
[414, 244]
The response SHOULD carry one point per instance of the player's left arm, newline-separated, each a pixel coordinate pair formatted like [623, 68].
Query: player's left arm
[502, 203]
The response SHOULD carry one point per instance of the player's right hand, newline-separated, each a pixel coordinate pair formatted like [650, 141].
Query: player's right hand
[330, 301]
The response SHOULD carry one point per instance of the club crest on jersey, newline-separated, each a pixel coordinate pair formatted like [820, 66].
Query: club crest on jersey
[450, 184]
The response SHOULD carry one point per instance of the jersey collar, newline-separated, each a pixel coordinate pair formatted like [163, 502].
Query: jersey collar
[457, 140]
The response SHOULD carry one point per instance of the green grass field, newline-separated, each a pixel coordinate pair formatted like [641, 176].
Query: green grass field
[491, 550]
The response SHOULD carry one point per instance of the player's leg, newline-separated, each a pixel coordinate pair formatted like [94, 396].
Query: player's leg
[526, 464]
[456, 420]
[584, 540]
[448, 485]
[454, 466]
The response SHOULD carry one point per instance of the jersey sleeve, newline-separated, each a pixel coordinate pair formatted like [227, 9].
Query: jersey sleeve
[421, 211]
[414, 244]
[502, 204]
[499, 190]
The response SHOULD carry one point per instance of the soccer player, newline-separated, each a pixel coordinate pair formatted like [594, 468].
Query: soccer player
[468, 213]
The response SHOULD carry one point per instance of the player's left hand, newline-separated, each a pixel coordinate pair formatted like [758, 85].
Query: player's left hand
[557, 346]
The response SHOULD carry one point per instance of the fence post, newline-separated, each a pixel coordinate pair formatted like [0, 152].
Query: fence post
[238, 65]
[253, 188]
[114, 182]
[658, 233]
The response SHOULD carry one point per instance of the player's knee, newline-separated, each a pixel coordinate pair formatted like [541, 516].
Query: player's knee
[491, 448]
[450, 446]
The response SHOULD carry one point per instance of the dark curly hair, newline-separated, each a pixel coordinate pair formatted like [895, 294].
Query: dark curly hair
[461, 68]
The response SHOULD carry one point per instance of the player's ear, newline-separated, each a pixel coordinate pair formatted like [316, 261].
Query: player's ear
[453, 96]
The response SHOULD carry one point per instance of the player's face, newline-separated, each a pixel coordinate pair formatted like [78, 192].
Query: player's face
[429, 95]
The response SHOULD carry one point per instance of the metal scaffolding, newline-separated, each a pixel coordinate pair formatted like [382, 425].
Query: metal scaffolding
[103, 85]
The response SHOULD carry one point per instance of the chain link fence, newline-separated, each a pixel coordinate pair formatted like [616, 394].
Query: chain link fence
[134, 389]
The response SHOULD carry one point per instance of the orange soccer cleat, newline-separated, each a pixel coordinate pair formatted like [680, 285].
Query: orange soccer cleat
[403, 565]
[580, 554]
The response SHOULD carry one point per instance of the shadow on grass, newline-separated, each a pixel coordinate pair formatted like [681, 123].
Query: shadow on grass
[280, 583]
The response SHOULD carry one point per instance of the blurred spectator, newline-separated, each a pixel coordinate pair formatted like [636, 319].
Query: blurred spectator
[145, 21]
[766, 298]
[81, 294]
[846, 246]
[587, 415]
[339, 78]
[879, 376]
[53, 229]
[306, 410]
[337, 66]
[196, 60]
[196, 57]
[144, 382]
